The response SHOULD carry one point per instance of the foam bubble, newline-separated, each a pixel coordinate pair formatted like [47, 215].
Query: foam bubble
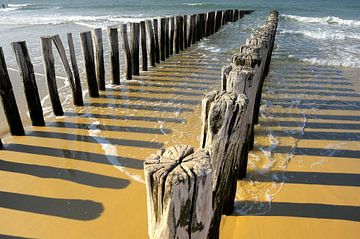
[332, 20]
[323, 35]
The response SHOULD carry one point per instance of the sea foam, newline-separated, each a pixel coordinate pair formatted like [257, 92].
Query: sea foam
[322, 20]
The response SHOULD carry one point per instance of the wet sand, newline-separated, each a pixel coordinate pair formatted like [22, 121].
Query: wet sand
[81, 176]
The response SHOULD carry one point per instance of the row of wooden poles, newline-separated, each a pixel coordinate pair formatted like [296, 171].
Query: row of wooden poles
[160, 38]
[188, 191]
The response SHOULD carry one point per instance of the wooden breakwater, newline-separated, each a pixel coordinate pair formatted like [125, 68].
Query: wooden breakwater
[158, 38]
[189, 190]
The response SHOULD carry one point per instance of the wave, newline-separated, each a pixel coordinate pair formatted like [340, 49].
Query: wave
[195, 4]
[322, 20]
[19, 5]
[323, 35]
[90, 21]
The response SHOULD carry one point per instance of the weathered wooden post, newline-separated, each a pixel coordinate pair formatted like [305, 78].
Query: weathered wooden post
[88, 54]
[191, 30]
[1, 145]
[114, 54]
[49, 68]
[156, 34]
[126, 49]
[218, 20]
[135, 31]
[167, 37]
[179, 195]
[99, 57]
[172, 32]
[162, 39]
[203, 24]
[8, 100]
[194, 34]
[222, 120]
[177, 34]
[181, 33]
[77, 89]
[143, 46]
[236, 15]
[151, 37]
[185, 31]
[27, 75]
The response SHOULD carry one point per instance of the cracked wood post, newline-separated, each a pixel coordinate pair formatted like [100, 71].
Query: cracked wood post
[241, 80]
[151, 38]
[88, 54]
[49, 68]
[172, 32]
[162, 39]
[222, 119]
[77, 92]
[218, 20]
[127, 53]
[194, 33]
[113, 36]
[143, 46]
[8, 100]
[179, 193]
[99, 57]
[156, 34]
[134, 32]
[26, 71]
[167, 37]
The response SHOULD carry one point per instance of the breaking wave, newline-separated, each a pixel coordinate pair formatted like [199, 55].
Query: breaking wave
[322, 20]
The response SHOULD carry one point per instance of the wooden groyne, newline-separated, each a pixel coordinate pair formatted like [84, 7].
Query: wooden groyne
[158, 39]
[189, 190]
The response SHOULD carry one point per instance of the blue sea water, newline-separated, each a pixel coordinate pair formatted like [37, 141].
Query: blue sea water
[323, 32]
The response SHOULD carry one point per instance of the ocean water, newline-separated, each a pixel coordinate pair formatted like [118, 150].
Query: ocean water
[324, 32]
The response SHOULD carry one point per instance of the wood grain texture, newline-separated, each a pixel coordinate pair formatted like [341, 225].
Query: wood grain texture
[134, 47]
[151, 42]
[179, 193]
[144, 52]
[99, 57]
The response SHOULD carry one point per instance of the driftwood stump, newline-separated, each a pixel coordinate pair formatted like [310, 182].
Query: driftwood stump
[179, 195]
[223, 118]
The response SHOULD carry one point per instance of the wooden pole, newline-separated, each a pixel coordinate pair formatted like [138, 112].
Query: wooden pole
[77, 91]
[27, 75]
[156, 34]
[181, 33]
[1, 145]
[178, 185]
[114, 54]
[99, 57]
[143, 46]
[222, 136]
[49, 67]
[162, 39]
[218, 23]
[191, 30]
[135, 31]
[194, 33]
[88, 54]
[126, 49]
[8, 100]
[172, 32]
[177, 34]
[151, 37]
[198, 27]
[167, 37]
[236, 15]
[185, 31]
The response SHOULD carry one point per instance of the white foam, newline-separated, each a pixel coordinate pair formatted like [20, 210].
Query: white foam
[195, 4]
[323, 35]
[322, 20]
